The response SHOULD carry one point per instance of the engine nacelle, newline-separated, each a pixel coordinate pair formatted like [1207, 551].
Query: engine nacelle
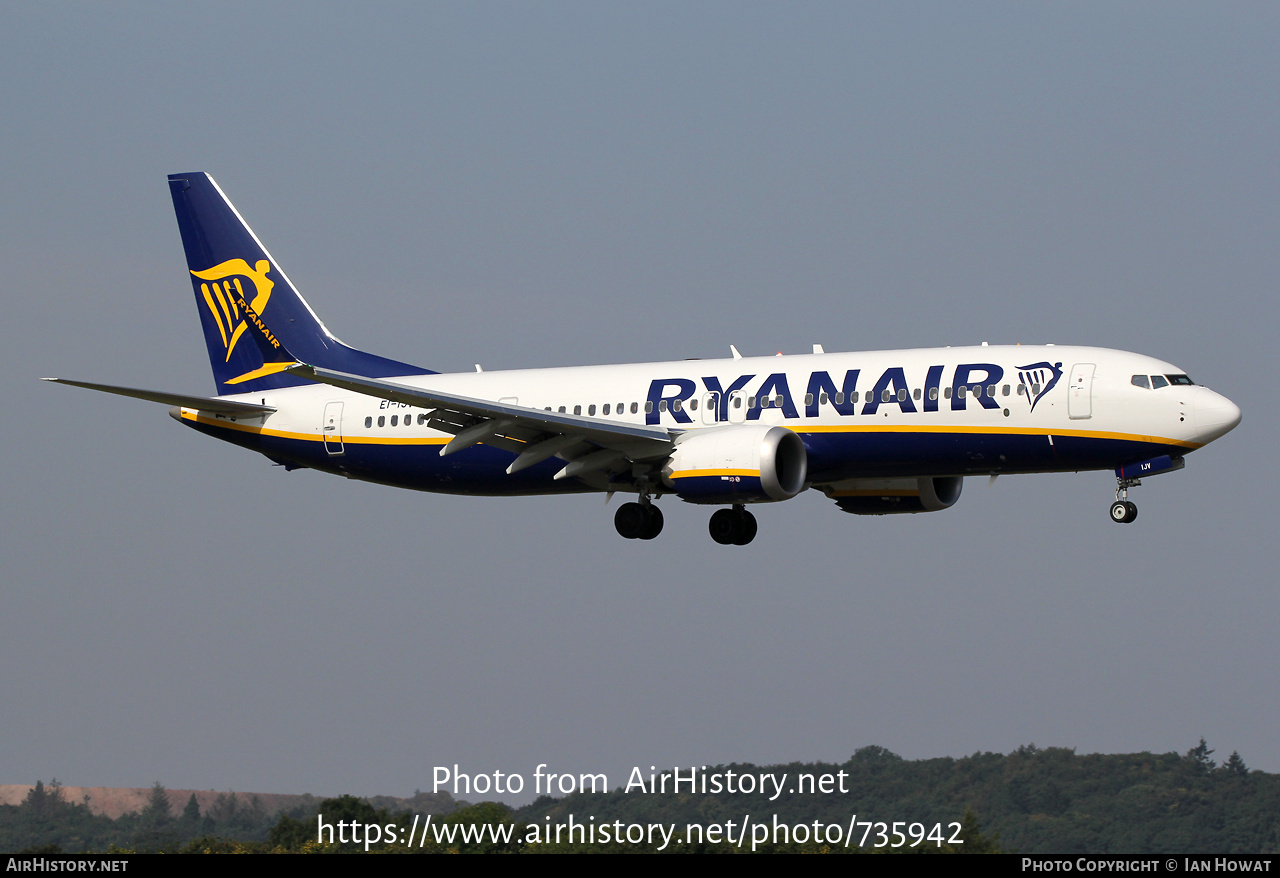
[893, 496]
[739, 464]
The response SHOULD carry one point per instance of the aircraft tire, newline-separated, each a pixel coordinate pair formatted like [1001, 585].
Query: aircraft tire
[652, 523]
[630, 520]
[1124, 511]
[723, 527]
[746, 529]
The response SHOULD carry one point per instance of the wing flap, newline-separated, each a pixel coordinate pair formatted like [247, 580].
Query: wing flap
[515, 428]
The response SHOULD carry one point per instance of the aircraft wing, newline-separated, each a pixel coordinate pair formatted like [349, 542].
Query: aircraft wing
[204, 404]
[588, 444]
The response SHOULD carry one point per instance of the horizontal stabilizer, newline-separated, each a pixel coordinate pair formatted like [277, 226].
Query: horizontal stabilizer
[204, 404]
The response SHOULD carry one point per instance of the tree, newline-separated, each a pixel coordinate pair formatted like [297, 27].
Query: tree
[36, 799]
[224, 808]
[45, 801]
[1235, 765]
[157, 812]
[874, 754]
[1199, 755]
[191, 813]
[974, 842]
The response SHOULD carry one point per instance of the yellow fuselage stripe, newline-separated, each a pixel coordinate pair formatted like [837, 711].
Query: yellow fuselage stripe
[190, 415]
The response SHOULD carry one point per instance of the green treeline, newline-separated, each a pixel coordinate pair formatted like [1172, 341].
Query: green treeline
[1031, 801]
[1036, 800]
[47, 821]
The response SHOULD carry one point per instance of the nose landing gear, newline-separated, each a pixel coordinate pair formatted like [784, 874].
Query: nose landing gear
[733, 527]
[1124, 511]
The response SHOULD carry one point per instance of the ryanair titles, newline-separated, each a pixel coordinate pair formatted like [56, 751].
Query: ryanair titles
[734, 402]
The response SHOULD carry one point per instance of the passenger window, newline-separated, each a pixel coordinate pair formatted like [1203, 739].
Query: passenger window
[577, 409]
[1158, 381]
[562, 410]
[871, 396]
[902, 394]
[677, 404]
[961, 392]
[382, 420]
[977, 391]
[946, 393]
[693, 405]
[648, 407]
[839, 397]
[991, 390]
[662, 405]
[1035, 388]
[1005, 390]
[422, 419]
[605, 410]
[779, 401]
[737, 402]
[394, 419]
[591, 409]
[368, 422]
[635, 407]
[933, 393]
[620, 408]
[808, 399]
[916, 395]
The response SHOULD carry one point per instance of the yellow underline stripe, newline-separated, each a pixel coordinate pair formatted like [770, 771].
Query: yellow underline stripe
[188, 414]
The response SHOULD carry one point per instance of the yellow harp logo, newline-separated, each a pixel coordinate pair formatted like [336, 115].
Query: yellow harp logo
[225, 298]
[224, 294]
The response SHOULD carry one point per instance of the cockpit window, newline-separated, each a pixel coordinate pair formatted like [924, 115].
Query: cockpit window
[1140, 381]
[1179, 379]
[1158, 381]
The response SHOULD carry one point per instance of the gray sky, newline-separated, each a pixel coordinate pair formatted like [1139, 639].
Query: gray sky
[559, 184]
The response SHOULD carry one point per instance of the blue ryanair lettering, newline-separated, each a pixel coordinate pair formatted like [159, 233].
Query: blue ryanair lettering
[931, 384]
[684, 390]
[991, 374]
[820, 382]
[712, 384]
[773, 385]
[893, 380]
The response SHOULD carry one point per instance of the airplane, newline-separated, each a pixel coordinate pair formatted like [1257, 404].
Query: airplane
[879, 432]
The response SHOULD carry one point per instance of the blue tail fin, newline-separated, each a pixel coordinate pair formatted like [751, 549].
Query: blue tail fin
[255, 322]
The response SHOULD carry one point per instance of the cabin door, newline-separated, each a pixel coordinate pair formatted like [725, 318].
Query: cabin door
[1080, 392]
[331, 428]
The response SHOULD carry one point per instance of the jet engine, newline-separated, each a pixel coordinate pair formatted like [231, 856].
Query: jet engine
[738, 464]
[893, 496]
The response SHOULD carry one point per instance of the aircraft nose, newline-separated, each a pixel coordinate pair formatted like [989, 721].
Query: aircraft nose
[1215, 415]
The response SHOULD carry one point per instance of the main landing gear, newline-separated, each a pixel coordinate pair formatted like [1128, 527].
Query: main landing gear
[643, 521]
[1124, 511]
[733, 527]
[638, 521]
